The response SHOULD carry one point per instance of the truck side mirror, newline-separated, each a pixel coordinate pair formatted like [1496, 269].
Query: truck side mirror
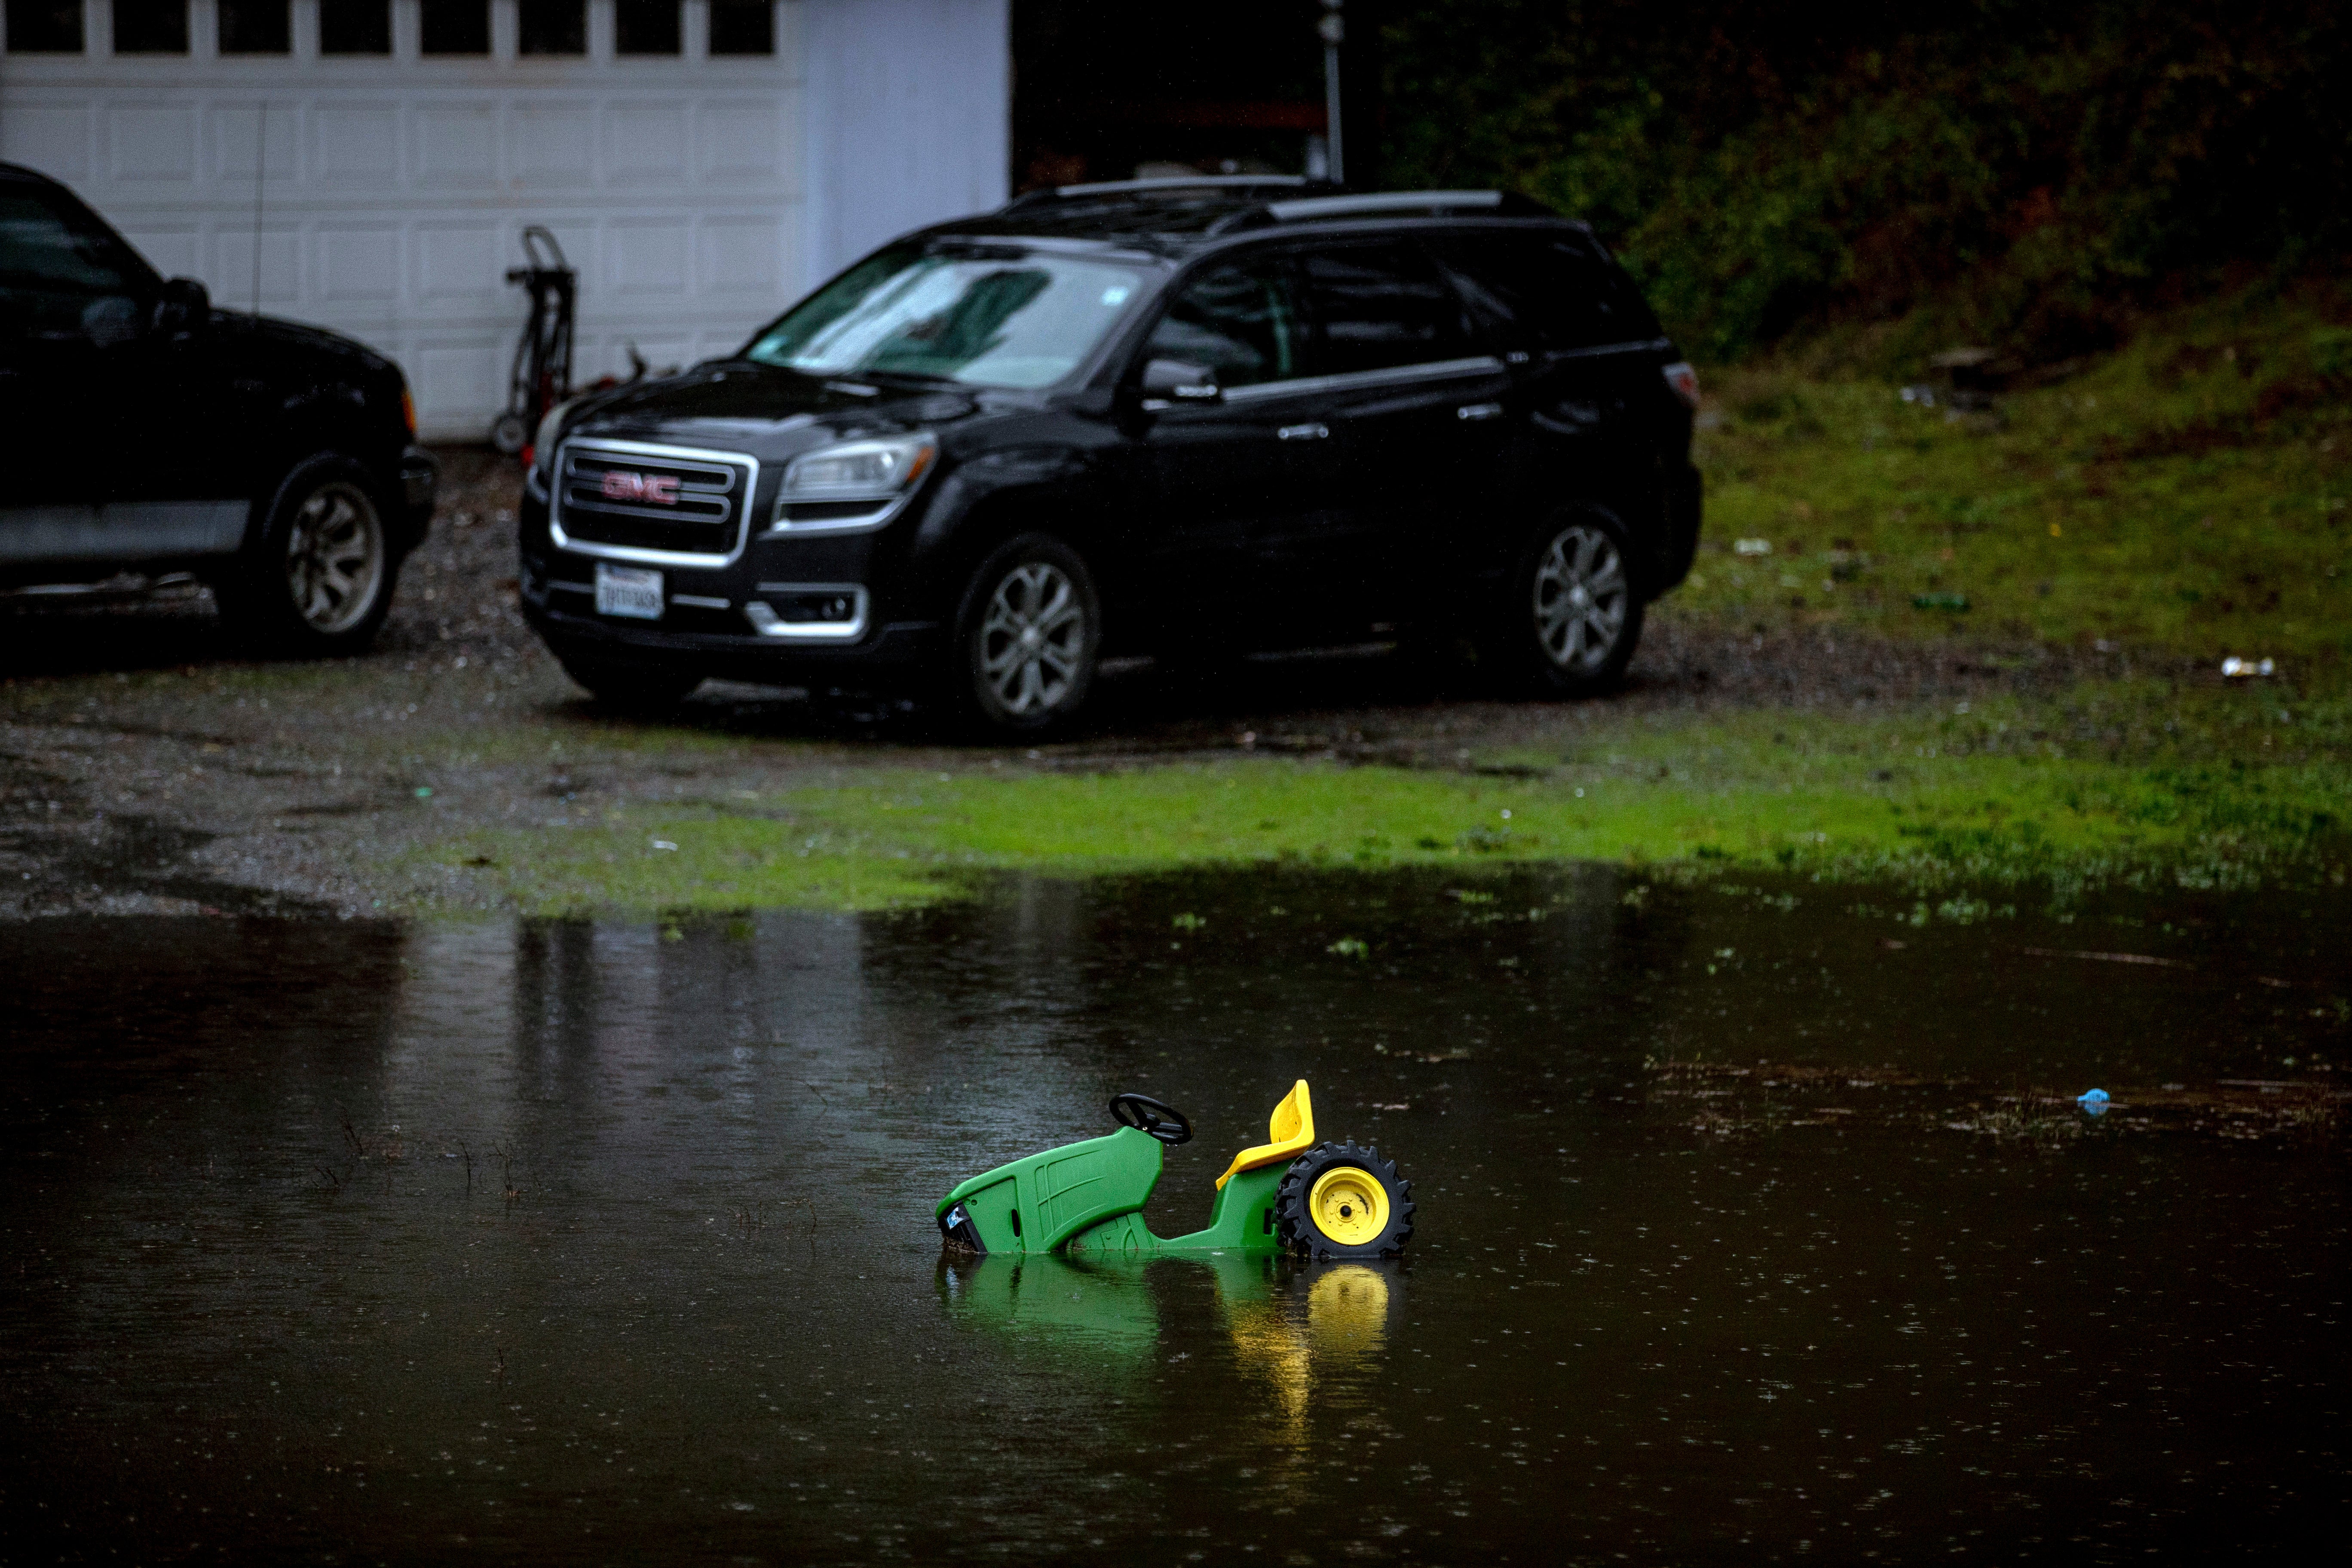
[1175, 380]
[184, 305]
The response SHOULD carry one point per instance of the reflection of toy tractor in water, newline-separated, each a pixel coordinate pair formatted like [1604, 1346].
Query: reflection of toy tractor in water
[1105, 1310]
[1330, 1200]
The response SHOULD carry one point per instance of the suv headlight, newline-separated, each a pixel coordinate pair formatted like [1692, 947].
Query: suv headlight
[858, 470]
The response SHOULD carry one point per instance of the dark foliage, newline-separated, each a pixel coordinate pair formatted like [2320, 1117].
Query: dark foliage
[2034, 167]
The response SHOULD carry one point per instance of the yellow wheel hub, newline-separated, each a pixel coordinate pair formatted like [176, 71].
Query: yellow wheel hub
[1350, 1207]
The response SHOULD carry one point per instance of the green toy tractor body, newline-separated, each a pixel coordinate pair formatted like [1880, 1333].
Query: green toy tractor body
[1089, 1196]
[1335, 1200]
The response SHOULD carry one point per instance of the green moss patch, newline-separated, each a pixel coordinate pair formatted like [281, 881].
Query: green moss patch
[2112, 787]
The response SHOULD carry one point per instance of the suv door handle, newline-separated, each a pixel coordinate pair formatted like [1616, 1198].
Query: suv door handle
[1303, 433]
[1479, 411]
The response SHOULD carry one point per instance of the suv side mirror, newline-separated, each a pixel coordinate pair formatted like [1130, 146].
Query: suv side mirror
[184, 305]
[1179, 382]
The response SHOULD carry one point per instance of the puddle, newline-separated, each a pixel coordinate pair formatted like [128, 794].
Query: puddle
[1755, 1223]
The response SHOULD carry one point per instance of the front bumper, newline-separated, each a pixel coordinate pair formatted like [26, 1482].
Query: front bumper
[823, 610]
[715, 637]
[420, 485]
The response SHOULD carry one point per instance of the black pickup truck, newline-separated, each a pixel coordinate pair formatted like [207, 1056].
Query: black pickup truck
[151, 437]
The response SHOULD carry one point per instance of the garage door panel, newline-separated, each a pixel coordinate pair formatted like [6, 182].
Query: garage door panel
[360, 263]
[645, 259]
[742, 257]
[748, 141]
[394, 193]
[646, 141]
[456, 146]
[238, 126]
[552, 144]
[151, 142]
[460, 263]
[358, 144]
[454, 377]
[279, 275]
[54, 138]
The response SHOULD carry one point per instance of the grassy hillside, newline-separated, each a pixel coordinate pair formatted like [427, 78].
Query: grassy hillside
[2190, 492]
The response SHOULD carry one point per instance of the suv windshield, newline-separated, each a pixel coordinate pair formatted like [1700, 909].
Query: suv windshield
[981, 318]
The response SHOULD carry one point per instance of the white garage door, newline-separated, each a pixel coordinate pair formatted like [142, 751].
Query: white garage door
[385, 195]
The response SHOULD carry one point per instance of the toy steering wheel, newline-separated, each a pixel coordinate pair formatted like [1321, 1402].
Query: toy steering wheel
[1157, 1116]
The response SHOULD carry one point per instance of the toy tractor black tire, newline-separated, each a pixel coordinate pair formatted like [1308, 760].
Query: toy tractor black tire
[1339, 1201]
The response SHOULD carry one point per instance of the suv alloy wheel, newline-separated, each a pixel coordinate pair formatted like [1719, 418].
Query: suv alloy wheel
[1028, 634]
[1577, 617]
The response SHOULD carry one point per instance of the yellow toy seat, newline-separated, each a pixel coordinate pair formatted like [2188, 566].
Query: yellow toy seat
[1291, 1131]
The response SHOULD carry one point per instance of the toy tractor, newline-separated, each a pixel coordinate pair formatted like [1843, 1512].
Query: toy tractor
[1328, 1200]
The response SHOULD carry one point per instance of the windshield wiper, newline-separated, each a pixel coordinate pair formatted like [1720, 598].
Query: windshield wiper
[905, 377]
[854, 377]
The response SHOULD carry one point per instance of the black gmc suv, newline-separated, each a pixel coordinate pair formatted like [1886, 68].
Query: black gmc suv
[155, 438]
[1166, 417]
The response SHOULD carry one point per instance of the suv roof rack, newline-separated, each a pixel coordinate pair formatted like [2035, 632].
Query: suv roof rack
[1181, 182]
[1432, 202]
[1379, 203]
[1194, 207]
[1229, 184]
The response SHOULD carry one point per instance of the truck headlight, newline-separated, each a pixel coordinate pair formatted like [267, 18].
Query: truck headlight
[551, 426]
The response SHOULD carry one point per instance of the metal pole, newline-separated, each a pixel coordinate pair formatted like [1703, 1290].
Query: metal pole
[1334, 30]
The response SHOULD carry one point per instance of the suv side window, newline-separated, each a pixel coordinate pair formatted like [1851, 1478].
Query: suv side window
[1379, 306]
[62, 278]
[1239, 321]
[1547, 291]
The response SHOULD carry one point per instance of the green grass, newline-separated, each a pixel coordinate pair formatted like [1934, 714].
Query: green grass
[2123, 785]
[2191, 494]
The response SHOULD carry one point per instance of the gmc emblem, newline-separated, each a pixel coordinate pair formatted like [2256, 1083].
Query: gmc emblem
[661, 489]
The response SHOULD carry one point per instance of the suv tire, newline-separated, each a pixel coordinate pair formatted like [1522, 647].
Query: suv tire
[317, 583]
[1573, 615]
[1028, 637]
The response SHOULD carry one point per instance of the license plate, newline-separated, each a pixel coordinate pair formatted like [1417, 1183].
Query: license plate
[631, 591]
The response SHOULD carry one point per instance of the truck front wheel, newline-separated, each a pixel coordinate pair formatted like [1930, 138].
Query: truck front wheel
[318, 580]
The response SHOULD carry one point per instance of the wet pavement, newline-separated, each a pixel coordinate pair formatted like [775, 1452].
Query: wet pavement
[1757, 1223]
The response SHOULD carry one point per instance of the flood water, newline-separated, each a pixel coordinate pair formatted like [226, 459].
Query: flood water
[1754, 1225]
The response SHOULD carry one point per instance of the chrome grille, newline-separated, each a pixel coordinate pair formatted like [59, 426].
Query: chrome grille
[637, 501]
